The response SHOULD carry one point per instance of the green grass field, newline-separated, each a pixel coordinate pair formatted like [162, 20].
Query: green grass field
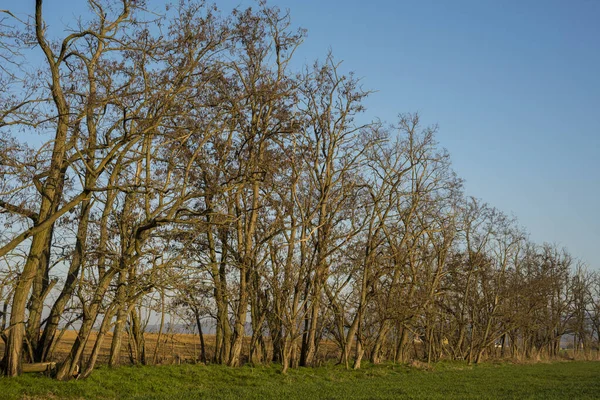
[563, 380]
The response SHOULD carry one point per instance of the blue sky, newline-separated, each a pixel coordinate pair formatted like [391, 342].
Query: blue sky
[513, 85]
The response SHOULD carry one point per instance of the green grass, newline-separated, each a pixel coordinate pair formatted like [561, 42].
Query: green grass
[564, 380]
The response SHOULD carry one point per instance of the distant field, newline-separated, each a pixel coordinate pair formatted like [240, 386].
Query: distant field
[185, 346]
[173, 346]
[563, 380]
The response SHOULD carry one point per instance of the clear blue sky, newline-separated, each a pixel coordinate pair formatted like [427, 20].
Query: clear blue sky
[513, 85]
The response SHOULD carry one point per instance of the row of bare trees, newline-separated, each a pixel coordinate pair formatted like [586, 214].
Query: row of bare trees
[152, 162]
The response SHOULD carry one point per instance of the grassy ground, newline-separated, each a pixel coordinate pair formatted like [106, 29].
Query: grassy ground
[564, 380]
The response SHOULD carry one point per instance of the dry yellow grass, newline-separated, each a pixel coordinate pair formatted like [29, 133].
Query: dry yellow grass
[173, 347]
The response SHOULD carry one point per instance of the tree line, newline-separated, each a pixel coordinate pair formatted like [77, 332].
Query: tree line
[180, 160]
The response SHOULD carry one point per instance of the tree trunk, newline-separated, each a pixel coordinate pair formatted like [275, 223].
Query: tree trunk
[117, 339]
[52, 186]
[201, 334]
